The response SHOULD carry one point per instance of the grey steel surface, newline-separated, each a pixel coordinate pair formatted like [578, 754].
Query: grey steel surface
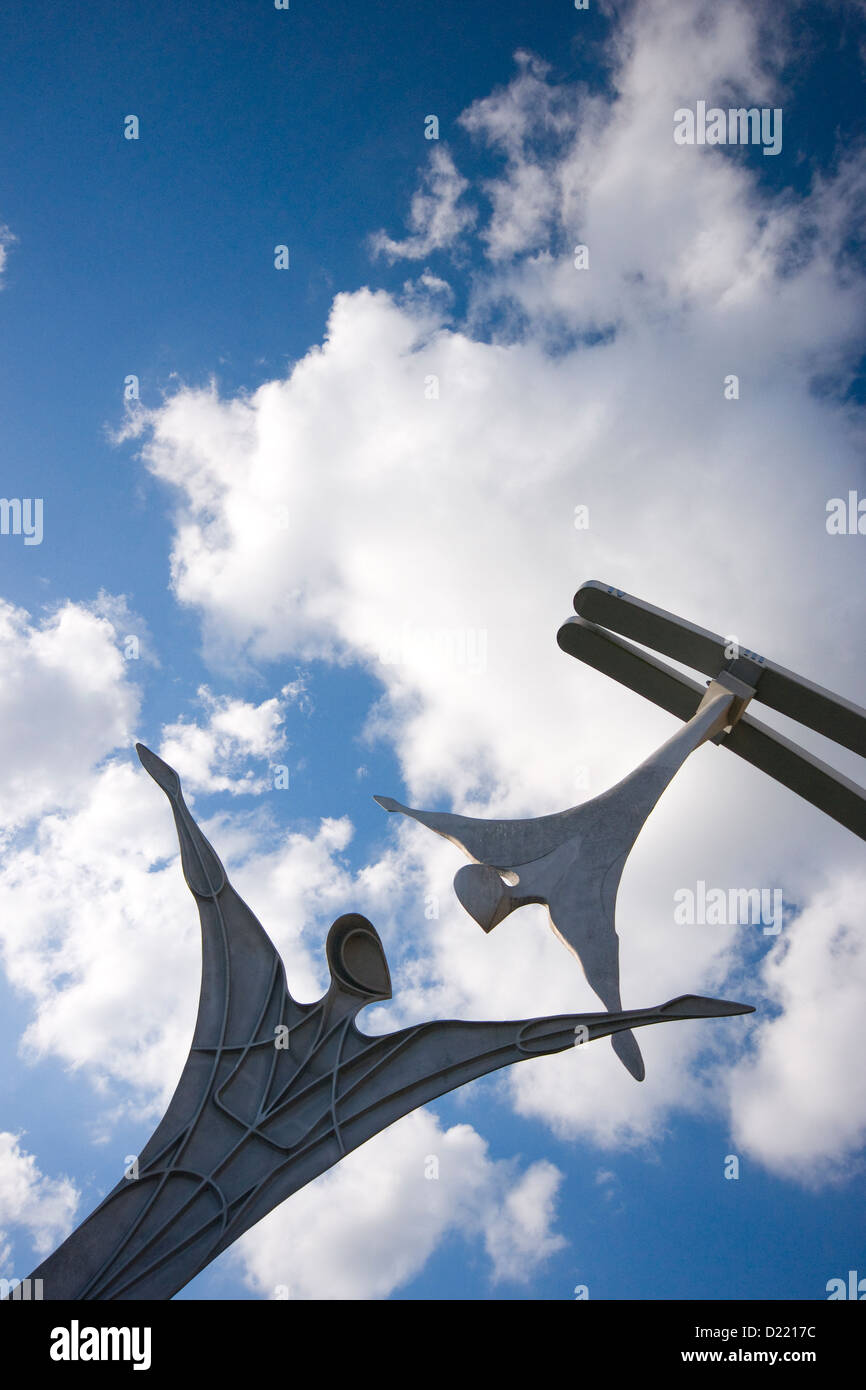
[251, 1122]
[836, 718]
[571, 861]
[801, 772]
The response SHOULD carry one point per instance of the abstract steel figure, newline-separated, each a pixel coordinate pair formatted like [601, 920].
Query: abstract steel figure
[573, 861]
[274, 1092]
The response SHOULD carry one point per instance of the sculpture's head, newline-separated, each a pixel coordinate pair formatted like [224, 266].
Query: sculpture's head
[356, 958]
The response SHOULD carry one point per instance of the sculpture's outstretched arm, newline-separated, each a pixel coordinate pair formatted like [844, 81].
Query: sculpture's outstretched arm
[449, 1053]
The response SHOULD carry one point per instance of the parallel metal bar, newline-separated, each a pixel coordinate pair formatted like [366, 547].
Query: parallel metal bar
[815, 781]
[827, 713]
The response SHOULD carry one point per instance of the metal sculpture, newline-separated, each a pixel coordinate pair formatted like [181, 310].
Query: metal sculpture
[572, 862]
[274, 1092]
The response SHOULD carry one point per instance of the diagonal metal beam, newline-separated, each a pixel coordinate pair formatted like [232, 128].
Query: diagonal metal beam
[827, 713]
[784, 761]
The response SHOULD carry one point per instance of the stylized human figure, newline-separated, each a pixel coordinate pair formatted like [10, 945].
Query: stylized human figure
[571, 861]
[274, 1092]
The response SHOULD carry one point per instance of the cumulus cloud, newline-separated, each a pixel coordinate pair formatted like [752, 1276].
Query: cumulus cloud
[436, 217]
[799, 1102]
[523, 122]
[67, 700]
[518, 1235]
[236, 730]
[43, 1207]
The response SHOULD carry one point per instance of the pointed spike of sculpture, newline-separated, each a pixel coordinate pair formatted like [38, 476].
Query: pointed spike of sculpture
[202, 869]
[163, 775]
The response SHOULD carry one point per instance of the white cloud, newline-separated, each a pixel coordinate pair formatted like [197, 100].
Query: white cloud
[236, 730]
[799, 1104]
[44, 1207]
[436, 216]
[518, 121]
[67, 699]
[518, 1236]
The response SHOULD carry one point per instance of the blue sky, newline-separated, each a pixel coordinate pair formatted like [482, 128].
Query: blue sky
[286, 521]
